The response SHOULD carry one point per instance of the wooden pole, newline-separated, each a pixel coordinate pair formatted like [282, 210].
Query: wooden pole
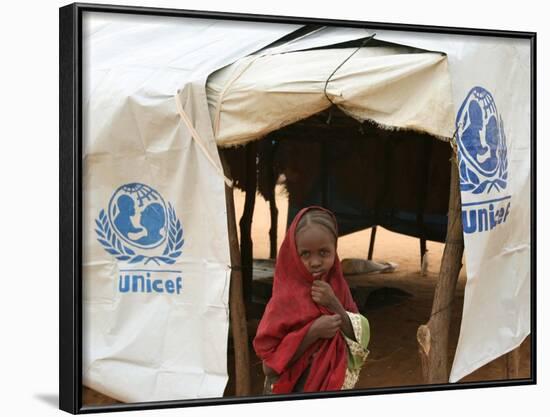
[422, 250]
[433, 337]
[423, 186]
[324, 173]
[269, 153]
[274, 213]
[246, 220]
[237, 311]
[371, 244]
[512, 363]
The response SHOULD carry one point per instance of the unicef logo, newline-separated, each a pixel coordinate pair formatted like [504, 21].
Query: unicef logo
[151, 229]
[138, 220]
[483, 161]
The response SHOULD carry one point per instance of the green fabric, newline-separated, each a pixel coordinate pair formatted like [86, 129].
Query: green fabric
[357, 350]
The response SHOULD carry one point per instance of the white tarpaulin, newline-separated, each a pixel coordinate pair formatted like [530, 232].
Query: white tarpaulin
[155, 251]
[491, 94]
[390, 85]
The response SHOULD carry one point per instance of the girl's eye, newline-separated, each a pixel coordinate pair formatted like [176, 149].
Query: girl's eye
[324, 253]
[304, 254]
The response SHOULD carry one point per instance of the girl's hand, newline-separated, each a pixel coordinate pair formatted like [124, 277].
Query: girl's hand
[325, 327]
[322, 294]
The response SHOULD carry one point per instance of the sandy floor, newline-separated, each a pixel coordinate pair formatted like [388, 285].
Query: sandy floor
[396, 305]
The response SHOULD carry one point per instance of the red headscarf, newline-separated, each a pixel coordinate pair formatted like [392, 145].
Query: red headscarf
[289, 315]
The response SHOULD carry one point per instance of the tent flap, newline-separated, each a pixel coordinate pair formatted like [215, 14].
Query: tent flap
[260, 94]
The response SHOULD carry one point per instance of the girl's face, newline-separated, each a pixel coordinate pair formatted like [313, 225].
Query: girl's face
[317, 249]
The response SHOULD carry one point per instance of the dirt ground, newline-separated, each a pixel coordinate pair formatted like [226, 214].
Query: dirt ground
[395, 304]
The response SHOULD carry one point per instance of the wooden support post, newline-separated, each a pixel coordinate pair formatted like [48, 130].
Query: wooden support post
[246, 220]
[383, 187]
[274, 212]
[512, 363]
[269, 153]
[423, 250]
[433, 336]
[324, 173]
[371, 244]
[424, 166]
[237, 311]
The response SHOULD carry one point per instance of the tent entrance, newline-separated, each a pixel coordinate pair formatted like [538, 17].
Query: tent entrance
[367, 175]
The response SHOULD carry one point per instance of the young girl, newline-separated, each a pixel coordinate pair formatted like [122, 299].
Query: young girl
[311, 337]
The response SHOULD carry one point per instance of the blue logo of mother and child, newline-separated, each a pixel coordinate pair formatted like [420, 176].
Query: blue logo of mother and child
[483, 161]
[138, 221]
[482, 144]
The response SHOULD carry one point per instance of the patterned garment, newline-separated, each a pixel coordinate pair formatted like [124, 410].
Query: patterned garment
[357, 354]
[357, 349]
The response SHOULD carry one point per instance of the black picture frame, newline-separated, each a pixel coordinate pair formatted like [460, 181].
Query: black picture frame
[70, 203]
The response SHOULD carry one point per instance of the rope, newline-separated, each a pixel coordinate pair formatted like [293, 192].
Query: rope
[454, 145]
[365, 41]
[199, 141]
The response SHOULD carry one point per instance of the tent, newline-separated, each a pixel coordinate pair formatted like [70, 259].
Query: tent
[162, 96]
